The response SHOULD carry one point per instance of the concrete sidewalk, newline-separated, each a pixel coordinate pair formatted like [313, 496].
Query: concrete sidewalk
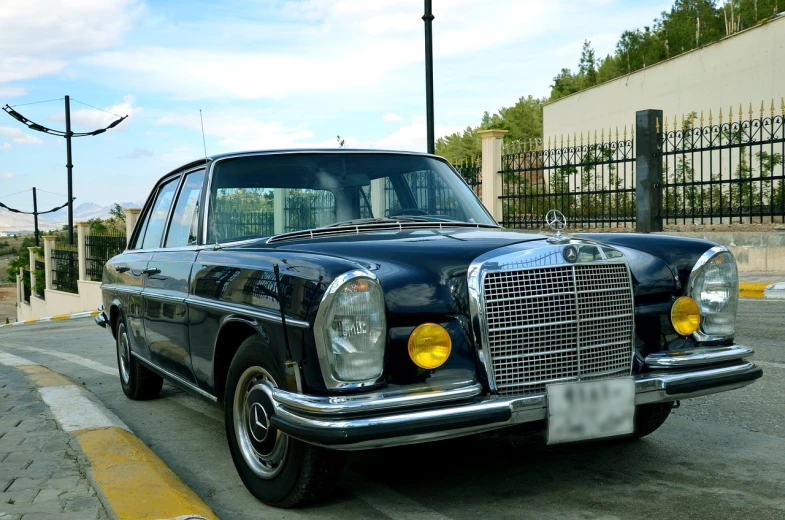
[64, 455]
[762, 284]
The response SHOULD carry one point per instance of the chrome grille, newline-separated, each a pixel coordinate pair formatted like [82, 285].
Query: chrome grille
[560, 323]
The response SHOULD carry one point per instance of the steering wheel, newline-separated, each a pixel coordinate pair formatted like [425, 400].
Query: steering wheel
[407, 211]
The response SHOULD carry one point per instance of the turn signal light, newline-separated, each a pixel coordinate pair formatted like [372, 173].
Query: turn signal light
[429, 346]
[685, 315]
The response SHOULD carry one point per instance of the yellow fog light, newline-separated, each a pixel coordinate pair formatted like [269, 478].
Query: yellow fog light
[429, 346]
[685, 315]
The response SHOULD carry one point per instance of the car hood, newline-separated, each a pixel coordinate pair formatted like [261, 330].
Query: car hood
[423, 271]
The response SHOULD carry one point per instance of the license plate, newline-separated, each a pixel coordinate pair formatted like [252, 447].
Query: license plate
[590, 409]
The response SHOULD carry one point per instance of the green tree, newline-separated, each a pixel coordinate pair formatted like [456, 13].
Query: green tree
[116, 212]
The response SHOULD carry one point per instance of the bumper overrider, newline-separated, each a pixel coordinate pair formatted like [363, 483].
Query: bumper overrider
[404, 417]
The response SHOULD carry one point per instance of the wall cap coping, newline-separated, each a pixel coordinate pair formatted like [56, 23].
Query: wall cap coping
[132, 210]
[83, 223]
[49, 239]
[492, 133]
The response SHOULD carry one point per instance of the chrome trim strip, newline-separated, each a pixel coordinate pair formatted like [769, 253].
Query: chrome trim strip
[696, 269]
[371, 402]
[154, 295]
[179, 380]
[319, 326]
[254, 312]
[122, 289]
[649, 388]
[697, 356]
[356, 229]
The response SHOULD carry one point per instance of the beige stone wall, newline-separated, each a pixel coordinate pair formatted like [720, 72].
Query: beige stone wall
[742, 69]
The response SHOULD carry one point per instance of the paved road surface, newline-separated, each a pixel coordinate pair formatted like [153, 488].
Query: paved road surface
[717, 457]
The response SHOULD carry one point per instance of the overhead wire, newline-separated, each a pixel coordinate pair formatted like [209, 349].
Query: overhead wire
[36, 102]
[17, 193]
[91, 106]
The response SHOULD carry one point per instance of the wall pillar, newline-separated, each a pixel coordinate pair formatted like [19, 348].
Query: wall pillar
[49, 244]
[131, 217]
[492, 141]
[648, 172]
[83, 229]
[378, 200]
[279, 210]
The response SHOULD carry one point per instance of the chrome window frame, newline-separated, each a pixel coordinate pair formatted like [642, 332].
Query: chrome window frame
[496, 260]
[330, 381]
[699, 335]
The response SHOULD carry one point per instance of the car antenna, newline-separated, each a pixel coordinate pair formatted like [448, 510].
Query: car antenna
[212, 200]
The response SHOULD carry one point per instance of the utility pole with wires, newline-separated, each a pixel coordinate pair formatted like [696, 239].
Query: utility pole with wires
[35, 211]
[68, 134]
[428, 19]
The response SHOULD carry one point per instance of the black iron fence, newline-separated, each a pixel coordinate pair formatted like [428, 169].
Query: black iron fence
[98, 250]
[724, 172]
[65, 270]
[39, 275]
[471, 171]
[592, 182]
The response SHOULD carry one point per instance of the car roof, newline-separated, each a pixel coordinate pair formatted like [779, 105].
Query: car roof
[293, 151]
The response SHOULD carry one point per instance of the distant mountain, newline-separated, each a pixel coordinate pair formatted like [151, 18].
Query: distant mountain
[17, 223]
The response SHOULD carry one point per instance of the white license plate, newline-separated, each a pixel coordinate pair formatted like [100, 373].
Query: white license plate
[590, 409]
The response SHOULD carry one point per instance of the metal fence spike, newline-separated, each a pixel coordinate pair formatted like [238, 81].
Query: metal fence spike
[782, 105]
[741, 113]
[701, 119]
[666, 123]
[720, 116]
[762, 108]
[730, 114]
[772, 107]
[751, 110]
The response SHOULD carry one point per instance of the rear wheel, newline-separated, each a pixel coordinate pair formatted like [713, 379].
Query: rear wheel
[138, 382]
[276, 469]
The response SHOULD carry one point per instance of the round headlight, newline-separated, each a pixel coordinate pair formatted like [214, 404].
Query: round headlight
[715, 286]
[429, 346]
[685, 315]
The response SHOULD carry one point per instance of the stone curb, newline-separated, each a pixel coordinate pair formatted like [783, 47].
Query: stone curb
[59, 317]
[767, 290]
[131, 481]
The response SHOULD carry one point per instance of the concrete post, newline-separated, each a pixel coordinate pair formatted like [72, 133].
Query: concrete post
[492, 141]
[648, 172]
[33, 256]
[131, 216]
[279, 210]
[20, 290]
[378, 200]
[49, 244]
[83, 229]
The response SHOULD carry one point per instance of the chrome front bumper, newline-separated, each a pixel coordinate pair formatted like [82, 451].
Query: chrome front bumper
[394, 418]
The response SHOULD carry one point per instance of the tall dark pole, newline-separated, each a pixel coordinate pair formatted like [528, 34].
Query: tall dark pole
[428, 19]
[70, 167]
[35, 216]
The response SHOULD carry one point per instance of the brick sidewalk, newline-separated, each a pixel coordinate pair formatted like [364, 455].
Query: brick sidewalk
[40, 478]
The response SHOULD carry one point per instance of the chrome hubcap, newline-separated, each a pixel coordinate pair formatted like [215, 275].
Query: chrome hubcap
[124, 349]
[263, 447]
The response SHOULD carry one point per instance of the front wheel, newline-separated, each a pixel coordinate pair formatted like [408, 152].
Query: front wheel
[276, 469]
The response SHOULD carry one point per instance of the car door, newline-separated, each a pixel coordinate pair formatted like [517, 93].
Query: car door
[166, 287]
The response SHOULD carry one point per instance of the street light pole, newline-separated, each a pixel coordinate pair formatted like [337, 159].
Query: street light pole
[428, 19]
[69, 167]
[35, 216]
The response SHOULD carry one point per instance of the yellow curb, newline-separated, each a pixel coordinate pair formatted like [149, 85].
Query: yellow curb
[135, 482]
[27, 322]
[753, 289]
[61, 317]
[44, 377]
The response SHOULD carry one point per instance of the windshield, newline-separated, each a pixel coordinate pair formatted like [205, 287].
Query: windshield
[265, 195]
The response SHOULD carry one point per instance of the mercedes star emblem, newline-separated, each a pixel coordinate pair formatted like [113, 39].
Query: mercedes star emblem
[570, 254]
[556, 220]
[258, 422]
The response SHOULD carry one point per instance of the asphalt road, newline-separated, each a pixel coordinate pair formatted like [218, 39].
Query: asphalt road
[717, 457]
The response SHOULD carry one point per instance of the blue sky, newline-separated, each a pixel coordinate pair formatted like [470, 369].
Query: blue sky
[266, 74]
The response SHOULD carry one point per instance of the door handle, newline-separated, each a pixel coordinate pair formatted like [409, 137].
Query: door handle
[122, 268]
[151, 271]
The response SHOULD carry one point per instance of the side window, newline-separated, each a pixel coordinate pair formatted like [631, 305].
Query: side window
[184, 225]
[157, 218]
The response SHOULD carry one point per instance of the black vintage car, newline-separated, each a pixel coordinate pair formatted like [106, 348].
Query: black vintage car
[347, 300]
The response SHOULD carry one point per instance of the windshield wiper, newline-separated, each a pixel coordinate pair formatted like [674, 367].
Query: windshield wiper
[379, 220]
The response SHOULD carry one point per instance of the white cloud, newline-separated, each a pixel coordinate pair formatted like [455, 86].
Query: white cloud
[5, 175]
[12, 91]
[5, 146]
[18, 136]
[92, 119]
[413, 137]
[38, 36]
[391, 117]
[138, 153]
